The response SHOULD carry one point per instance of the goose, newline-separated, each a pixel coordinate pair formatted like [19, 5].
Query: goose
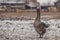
[39, 26]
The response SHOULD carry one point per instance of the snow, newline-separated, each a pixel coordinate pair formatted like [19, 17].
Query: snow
[10, 2]
[24, 30]
[42, 2]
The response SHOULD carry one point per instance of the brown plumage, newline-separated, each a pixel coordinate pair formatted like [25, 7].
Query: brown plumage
[39, 26]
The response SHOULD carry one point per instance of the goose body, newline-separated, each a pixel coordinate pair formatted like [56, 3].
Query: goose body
[39, 26]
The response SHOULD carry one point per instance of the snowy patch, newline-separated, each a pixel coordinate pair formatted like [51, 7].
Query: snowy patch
[24, 30]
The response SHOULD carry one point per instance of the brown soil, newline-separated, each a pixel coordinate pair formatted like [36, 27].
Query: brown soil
[31, 14]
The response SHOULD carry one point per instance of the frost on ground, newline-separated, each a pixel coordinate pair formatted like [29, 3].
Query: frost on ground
[24, 30]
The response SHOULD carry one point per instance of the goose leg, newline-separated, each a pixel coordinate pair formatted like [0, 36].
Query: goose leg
[41, 36]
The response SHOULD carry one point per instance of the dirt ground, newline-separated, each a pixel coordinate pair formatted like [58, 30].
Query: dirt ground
[29, 14]
[24, 30]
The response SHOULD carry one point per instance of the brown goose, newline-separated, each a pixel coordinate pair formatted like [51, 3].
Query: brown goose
[39, 26]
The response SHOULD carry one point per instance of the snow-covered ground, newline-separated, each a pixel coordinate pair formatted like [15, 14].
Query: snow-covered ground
[24, 30]
[45, 2]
